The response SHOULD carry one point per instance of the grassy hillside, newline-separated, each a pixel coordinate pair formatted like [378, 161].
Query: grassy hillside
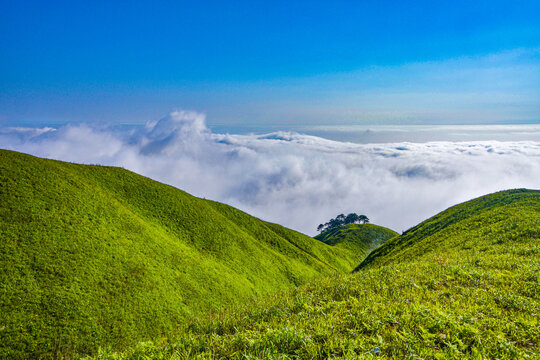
[501, 218]
[464, 284]
[358, 239]
[99, 256]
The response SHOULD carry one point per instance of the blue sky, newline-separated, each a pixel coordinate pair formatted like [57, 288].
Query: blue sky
[259, 64]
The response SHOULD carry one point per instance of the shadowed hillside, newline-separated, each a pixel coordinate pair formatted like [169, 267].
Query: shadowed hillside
[95, 256]
[359, 239]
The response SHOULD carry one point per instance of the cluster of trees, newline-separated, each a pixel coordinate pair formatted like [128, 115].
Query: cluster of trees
[341, 219]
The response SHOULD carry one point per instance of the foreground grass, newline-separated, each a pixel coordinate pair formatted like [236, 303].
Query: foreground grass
[462, 285]
[433, 311]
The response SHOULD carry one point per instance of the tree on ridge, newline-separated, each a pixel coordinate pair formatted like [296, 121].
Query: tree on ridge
[341, 219]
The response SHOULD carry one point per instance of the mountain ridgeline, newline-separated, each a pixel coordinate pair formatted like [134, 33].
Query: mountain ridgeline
[510, 218]
[97, 256]
[101, 261]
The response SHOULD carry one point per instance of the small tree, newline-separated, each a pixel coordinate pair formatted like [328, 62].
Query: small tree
[341, 219]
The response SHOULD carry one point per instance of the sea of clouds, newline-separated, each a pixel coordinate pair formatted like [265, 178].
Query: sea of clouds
[293, 179]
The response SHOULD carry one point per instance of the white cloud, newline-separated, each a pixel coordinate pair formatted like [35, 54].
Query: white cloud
[293, 179]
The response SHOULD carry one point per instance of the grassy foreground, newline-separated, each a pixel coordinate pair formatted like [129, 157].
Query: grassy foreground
[95, 256]
[464, 284]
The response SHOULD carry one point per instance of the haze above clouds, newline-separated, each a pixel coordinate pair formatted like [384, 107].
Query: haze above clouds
[293, 179]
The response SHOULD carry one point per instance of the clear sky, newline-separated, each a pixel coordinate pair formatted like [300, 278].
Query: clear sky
[254, 63]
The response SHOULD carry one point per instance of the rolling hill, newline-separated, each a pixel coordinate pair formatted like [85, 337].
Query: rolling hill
[505, 218]
[101, 261]
[464, 284]
[96, 256]
[358, 239]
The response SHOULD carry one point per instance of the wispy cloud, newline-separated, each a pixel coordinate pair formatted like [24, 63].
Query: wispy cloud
[502, 87]
[293, 179]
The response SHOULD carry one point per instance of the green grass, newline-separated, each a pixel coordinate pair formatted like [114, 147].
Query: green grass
[474, 227]
[464, 284]
[101, 261]
[97, 256]
[359, 239]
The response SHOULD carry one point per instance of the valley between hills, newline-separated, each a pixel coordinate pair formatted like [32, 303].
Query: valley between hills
[101, 263]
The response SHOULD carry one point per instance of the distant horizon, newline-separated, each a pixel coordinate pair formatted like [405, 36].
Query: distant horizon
[396, 175]
[355, 133]
[392, 109]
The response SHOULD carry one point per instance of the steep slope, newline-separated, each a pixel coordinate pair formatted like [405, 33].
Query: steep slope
[464, 284]
[99, 256]
[356, 239]
[478, 225]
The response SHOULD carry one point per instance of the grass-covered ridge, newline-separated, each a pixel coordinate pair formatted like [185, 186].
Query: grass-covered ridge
[464, 284]
[99, 256]
[359, 239]
[473, 226]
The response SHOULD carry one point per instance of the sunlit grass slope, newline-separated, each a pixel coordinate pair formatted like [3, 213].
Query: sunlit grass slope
[470, 229]
[96, 256]
[464, 284]
[358, 239]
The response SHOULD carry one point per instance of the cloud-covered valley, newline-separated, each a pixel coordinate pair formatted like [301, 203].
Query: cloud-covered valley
[296, 180]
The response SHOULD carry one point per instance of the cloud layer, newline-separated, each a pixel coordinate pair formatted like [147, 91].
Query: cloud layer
[296, 180]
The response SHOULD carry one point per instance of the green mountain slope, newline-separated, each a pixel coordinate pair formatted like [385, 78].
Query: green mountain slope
[99, 256]
[358, 239]
[464, 284]
[477, 225]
